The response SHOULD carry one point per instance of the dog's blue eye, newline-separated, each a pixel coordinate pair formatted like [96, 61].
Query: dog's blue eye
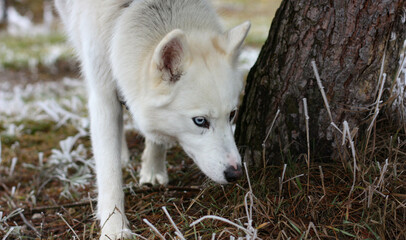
[201, 122]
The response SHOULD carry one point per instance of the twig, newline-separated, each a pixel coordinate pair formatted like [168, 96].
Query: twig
[13, 165]
[94, 201]
[270, 129]
[177, 232]
[290, 179]
[20, 213]
[267, 136]
[335, 126]
[311, 225]
[381, 69]
[399, 71]
[308, 141]
[8, 233]
[281, 180]
[29, 224]
[63, 219]
[165, 189]
[323, 93]
[377, 102]
[372, 124]
[221, 219]
[250, 231]
[322, 180]
[348, 133]
[248, 210]
[68, 205]
[153, 228]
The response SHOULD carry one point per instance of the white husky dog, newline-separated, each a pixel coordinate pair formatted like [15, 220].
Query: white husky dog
[175, 68]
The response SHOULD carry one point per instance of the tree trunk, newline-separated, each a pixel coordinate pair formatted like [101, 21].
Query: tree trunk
[347, 40]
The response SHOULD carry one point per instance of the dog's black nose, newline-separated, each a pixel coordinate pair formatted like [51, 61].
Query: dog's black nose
[231, 174]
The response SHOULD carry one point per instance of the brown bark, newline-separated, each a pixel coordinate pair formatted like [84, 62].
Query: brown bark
[347, 40]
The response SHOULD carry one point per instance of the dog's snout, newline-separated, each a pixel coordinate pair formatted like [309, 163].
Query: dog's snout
[232, 174]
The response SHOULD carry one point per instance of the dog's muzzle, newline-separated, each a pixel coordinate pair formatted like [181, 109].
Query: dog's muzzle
[233, 174]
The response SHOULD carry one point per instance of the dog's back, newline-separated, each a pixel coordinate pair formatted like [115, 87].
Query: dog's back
[153, 19]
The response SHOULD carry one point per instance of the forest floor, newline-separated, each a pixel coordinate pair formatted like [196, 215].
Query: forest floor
[47, 180]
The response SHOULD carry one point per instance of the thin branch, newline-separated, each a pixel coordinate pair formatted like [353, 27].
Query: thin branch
[267, 136]
[153, 228]
[63, 219]
[377, 102]
[8, 233]
[322, 180]
[177, 232]
[221, 219]
[270, 129]
[348, 133]
[20, 213]
[308, 141]
[94, 201]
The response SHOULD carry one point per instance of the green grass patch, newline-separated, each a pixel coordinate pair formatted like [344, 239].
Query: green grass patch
[22, 52]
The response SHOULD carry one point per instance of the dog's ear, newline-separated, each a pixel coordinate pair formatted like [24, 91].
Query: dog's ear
[170, 55]
[234, 39]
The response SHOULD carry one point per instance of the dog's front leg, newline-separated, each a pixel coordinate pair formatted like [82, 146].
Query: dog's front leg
[106, 133]
[153, 169]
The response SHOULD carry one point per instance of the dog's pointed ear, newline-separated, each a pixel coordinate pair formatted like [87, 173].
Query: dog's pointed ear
[170, 55]
[235, 38]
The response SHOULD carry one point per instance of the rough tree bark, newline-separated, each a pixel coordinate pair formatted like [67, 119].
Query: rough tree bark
[347, 39]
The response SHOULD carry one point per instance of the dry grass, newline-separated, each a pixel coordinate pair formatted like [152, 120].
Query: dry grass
[375, 209]
[310, 201]
[301, 199]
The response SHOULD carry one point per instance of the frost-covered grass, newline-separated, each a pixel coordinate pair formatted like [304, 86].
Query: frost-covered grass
[57, 100]
[31, 52]
[47, 182]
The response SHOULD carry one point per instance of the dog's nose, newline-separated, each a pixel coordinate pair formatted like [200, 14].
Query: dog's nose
[232, 174]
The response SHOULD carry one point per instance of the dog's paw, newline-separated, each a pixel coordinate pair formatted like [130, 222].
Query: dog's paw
[115, 227]
[122, 234]
[151, 177]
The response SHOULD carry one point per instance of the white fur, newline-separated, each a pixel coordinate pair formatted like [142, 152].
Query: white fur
[171, 61]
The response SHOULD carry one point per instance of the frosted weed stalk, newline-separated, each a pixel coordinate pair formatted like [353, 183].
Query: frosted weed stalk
[251, 233]
[376, 183]
[399, 88]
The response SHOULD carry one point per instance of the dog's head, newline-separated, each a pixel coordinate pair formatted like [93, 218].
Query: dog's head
[196, 92]
[189, 93]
